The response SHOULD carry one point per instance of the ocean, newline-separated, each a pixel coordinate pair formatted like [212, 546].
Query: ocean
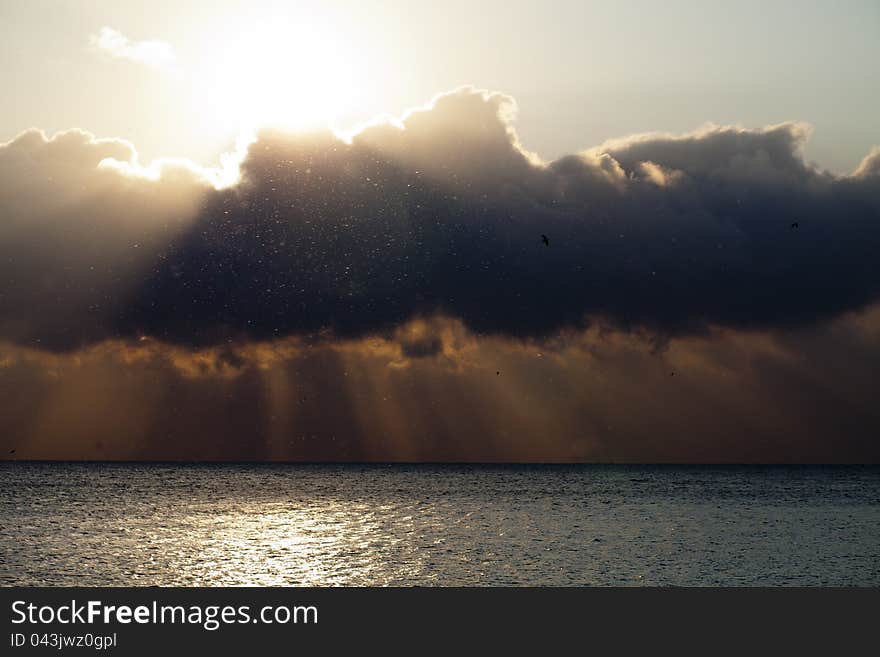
[94, 524]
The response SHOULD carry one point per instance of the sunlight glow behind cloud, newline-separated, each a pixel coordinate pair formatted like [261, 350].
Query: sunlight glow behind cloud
[285, 73]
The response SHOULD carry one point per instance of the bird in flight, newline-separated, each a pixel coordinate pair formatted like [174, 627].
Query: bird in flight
[546, 240]
[795, 225]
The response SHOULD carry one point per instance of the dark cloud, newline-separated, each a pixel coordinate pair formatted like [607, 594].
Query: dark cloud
[80, 226]
[440, 215]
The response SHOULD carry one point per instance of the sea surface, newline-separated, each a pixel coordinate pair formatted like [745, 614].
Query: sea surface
[170, 524]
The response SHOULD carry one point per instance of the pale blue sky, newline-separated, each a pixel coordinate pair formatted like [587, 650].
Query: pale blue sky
[581, 71]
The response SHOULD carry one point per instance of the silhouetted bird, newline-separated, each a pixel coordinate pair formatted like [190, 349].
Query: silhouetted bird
[795, 225]
[546, 240]
[497, 373]
[672, 374]
[12, 451]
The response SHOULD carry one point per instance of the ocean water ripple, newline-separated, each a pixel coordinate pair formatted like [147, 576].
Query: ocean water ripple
[375, 525]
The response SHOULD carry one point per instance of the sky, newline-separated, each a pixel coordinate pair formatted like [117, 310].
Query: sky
[582, 72]
[565, 232]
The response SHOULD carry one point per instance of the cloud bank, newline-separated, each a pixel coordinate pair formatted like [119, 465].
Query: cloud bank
[800, 395]
[439, 214]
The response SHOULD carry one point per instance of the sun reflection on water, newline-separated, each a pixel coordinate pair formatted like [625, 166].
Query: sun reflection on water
[277, 544]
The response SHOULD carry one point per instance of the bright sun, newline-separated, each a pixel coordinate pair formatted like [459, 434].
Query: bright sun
[292, 75]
